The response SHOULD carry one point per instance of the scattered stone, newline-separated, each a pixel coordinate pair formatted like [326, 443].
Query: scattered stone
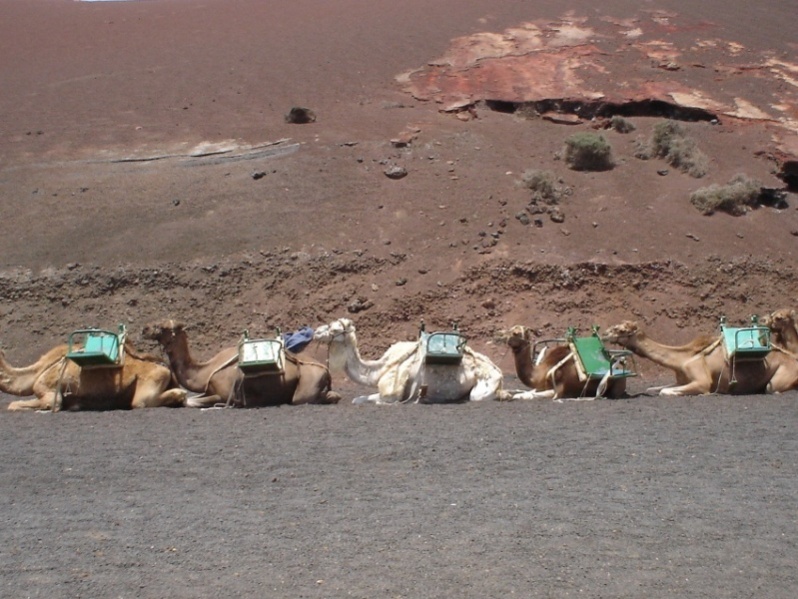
[794, 232]
[404, 139]
[258, 175]
[300, 116]
[556, 215]
[561, 119]
[423, 271]
[693, 237]
[175, 202]
[538, 222]
[359, 304]
[401, 281]
[523, 218]
[396, 172]
[662, 172]
[489, 304]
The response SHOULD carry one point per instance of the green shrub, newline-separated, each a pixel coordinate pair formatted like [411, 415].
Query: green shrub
[541, 183]
[671, 142]
[737, 197]
[621, 124]
[588, 152]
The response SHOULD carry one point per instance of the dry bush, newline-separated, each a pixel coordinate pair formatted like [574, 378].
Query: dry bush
[588, 152]
[543, 185]
[670, 141]
[621, 124]
[737, 197]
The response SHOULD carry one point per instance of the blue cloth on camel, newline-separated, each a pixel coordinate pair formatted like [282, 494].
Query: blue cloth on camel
[298, 340]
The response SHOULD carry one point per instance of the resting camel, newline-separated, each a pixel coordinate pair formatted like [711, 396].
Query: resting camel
[140, 382]
[402, 375]
[220, 380]
[701, 366]
[784, 332]
[554, 375]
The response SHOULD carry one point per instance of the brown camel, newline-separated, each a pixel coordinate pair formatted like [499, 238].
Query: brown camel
[784, 332]
[141, 381]
[554, 375]
[702, 365]
[219, 379]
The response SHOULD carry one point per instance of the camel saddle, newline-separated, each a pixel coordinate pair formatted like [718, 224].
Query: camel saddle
[595, 361]
[258, 357]
[746, 343]
[443, 347]
[97, 348]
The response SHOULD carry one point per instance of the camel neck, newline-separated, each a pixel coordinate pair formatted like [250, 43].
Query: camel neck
[20, 381]
[789, 337]
[664, 355]
[183, 364]
[524, 367]
[356, 368]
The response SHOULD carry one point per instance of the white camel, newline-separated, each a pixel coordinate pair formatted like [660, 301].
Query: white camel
[402, 374]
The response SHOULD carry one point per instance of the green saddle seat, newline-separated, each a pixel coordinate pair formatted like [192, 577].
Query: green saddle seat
[444, 348]
[261, 356]
[595, 361]
[96, 347]
[746, 343]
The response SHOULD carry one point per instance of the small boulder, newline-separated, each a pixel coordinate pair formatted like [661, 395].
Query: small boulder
[300, 116]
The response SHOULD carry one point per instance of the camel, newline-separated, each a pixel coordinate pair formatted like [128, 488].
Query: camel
[140, 382]
[554, 375]
[219, 379]
[784, 332]
[701, 366]
[403, 375]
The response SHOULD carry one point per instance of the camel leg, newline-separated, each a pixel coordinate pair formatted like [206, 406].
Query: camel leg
[700, 378]
[692, 388]
[486, 389]
[312, 387]
[373, 398]
[203, 401]
[44, 402]
[150, 394]
[782, 380]
[173, 398]
[533, 394]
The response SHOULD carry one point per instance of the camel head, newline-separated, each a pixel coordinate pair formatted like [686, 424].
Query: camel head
[622, 334]
[779, 320]
[519, 337]
[329, 332]
[164, 332]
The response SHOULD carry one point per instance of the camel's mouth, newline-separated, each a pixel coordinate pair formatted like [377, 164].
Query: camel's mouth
[323, 334]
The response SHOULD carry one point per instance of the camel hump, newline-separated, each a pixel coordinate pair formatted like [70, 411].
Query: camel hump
[144, 357]
[701, 342]
[555, 354]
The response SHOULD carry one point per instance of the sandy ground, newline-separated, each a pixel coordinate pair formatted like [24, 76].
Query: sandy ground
[629, 498]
